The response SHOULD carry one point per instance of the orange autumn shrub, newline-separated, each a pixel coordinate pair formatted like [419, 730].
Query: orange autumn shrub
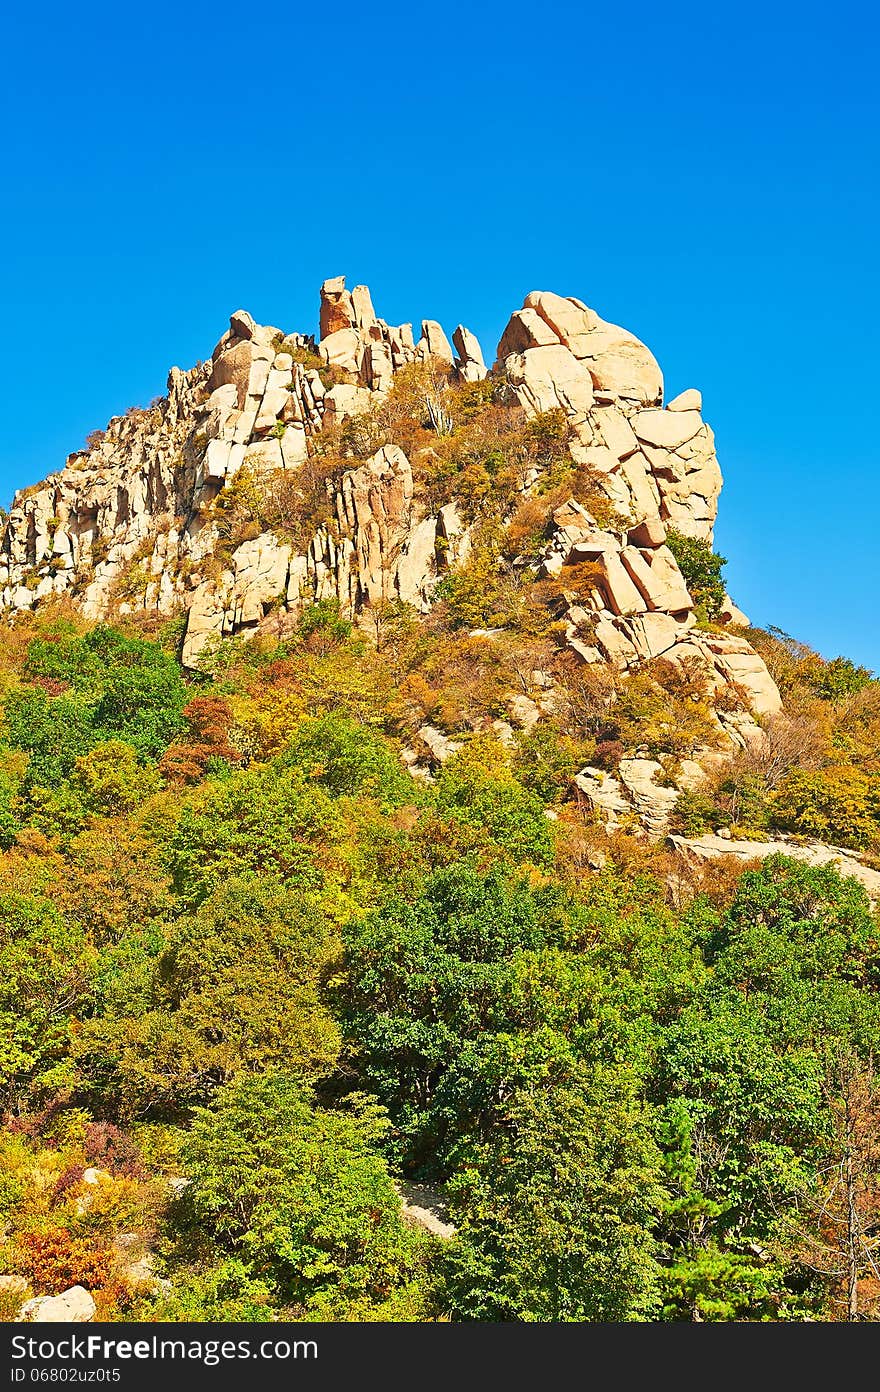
[53, 1261]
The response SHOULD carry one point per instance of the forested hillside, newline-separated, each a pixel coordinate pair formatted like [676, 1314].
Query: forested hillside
[255, 974]
[423, 895]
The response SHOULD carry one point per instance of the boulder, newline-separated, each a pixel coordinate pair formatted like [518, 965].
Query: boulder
[415, 570]
[666, 429]
[652, 801]
[550, 379]
[264, 455]
[294, 447]
[377, 367]
[623, 596]
[526, 329]
[690, 400]
[440, 745]
[337, 310]
[649, 586]
[737, 663]
[233, 368]
[731, 614]
[469, 360]
[524, 711]
[620, 365]
[589, 546]
[616, 431]
[362, 309]
[613, 641]
[652, 634]
[603, 796]
[669, 590]
[204, 623]
[342, 348]
[273, 403]
[570, 320]
[644, 497]
[434, 342]
[374, 512]
[345, 399]
[242, 324]
[258, 380]
[649, 533]
[73, 1306]
[216, 461]
[423, 1205]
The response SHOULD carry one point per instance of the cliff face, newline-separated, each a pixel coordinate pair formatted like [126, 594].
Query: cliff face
[135, 522]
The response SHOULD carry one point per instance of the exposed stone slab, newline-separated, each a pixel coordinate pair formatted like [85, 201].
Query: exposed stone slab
[846, 862]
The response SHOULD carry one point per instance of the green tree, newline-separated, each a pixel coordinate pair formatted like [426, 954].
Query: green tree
[701, 568]
[348, 759]
[471, 791]
[142, 702]
[55, 731]
[262, 819]
[13, 765]
[791, 922]
[556, 1224]
[111, 780]
[301, 1193]
[440, 1000]
[740, 1083]
[93, 690]
[547, 759]
[322, 625]
[227, 1292]
[236, 987]
[47, 981]
[839, 678]
[840, 805]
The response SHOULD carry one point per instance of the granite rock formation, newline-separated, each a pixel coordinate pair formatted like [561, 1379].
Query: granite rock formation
[131, 523]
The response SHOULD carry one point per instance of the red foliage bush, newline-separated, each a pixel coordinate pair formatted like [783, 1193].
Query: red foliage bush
[53, 686]
[609, 753]
[54, 1261]
[110, 1148]
[209, 719]
[37, 1124]
[71, 1177]
[114, 1298]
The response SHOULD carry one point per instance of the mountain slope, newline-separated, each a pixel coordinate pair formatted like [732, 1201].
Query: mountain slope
[368, 469]
[400, 953]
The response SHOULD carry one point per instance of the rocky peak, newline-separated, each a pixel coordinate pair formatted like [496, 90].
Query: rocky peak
[132, 523]
[621, 369]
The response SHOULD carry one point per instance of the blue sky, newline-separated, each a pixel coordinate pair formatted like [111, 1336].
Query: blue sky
[705, 175]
